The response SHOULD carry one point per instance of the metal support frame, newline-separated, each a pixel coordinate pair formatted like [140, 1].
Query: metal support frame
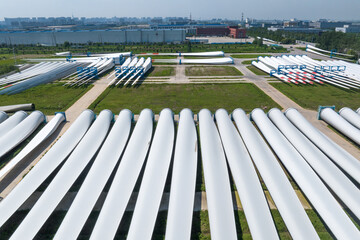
[333, 53]
[329, 68]
[62, 113]
[68, 57]
[323, 107]
[91, 71]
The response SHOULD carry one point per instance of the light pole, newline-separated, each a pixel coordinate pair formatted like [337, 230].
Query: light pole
[14, 54]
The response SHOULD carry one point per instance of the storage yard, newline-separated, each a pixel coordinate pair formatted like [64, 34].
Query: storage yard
[181, 146]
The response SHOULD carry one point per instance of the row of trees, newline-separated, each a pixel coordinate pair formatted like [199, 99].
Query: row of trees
[137, 48]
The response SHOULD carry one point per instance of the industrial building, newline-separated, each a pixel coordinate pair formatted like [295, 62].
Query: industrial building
[237, 32]
[52, 38]
[232, 31]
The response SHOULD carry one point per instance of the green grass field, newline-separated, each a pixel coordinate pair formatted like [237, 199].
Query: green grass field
[179, 96]
[200, 225]
[161, 71]
[48, 98]
[248, 55]
[248, 62]
[257, 71]
[312, 96]
[212, 71]
[7, 64]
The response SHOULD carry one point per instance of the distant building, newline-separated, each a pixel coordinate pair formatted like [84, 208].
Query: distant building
[236, 32]
[348, 29]
[190, 29]
[156, 20]
[267, 25]
[212, 31]
[94, 36]
[327, 25]
[40, 22]
[254, 25]
[294, 29]
[292, 23]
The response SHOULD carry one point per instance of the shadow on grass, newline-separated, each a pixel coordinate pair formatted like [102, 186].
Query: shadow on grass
[196, 226]
[11, 225]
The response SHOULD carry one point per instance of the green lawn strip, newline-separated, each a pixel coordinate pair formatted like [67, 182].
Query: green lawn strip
[212, 71]
[248, 62]
[7, 68]
[311, 97]
[248, 55]
[161, 72]
[158, 56]
[314, 218]
[257, 71]
[301, 48]
[178, 96]
[48, 98]
[7, 64]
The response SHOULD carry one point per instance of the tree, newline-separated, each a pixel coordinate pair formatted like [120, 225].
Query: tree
[189, 46]
[66, 44]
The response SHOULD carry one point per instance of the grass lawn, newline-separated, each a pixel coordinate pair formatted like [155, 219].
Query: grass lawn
[248, 62]
[212, 71]
[158, 56]
[48, 98]
[272, 79]
[200, 225]
[178, 96]
[312, 96]
[248, 55]
[161, 71]
[7, 64]
[257, 71]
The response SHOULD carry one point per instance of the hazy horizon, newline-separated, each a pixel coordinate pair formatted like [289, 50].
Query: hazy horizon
[201, 9]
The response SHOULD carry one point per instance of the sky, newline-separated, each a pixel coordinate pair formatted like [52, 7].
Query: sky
[199, 9]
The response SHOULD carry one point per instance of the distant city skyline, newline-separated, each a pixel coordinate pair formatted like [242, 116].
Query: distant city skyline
[200, 9]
